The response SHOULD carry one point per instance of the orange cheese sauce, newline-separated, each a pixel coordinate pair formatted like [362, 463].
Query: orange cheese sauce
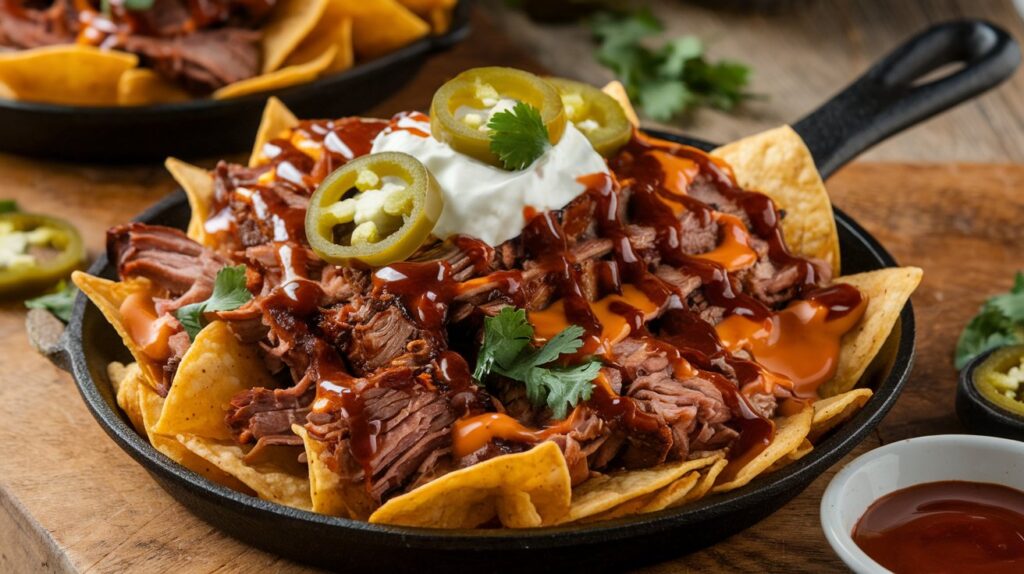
[734, 251]
[679, 172]
[619, 316]
[801, 342]
[473, 433]
[146, 329]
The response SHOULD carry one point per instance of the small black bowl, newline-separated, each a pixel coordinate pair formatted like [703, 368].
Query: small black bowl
[980, 415]
[206, 127]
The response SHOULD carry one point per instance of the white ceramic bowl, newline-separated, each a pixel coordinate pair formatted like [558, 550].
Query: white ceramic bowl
[906, 463]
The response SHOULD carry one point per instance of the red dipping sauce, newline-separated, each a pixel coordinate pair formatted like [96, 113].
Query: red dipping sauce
[950, 526]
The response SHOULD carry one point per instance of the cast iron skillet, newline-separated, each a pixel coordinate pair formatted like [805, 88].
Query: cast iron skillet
[885, 100]
[206, 127]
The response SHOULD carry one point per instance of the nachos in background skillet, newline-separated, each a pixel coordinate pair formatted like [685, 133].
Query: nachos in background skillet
[475, 319]
[140, 52]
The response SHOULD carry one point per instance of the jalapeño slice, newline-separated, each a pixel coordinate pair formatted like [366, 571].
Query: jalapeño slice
[36, 251]
[463, 106]
[997, 378]
[376, 209]
[594, 113]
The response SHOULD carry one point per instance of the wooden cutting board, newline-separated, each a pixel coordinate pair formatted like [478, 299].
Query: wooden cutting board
[71, 500]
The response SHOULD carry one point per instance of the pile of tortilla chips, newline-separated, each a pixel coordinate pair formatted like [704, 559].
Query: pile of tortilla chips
[527, 489]
[301, 41]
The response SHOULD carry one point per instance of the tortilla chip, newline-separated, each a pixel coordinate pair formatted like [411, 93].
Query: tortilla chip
[69, 74]
[151, 404]
[277, 119]
[437, 12]
[269, 480]
[789, 434]
[801, 450]
[283, 78]
[333, 29]
[601, 493]
[143, 86]
[830, 412]
[324, 485]
[108, 296]
[616, 90]
[126, 380]
[215, 368]
[290, 23]
[708, 476]
[522, 490]
[199, 188]
[887, 291]
[778, 164]
[382, 26]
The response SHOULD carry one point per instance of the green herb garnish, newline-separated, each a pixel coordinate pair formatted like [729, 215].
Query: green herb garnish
[229, 293]
[60, 302]
[107, 6]
[999, 322]
[671, 79]
[507, 351]
[9, 206]
[518, 136]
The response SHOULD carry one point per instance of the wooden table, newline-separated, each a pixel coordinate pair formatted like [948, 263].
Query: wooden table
[71, 500]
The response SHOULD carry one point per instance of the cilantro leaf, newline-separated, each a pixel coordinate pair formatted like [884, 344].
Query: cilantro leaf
[518, 136]
[999, 322]
[229, 293]
[506, 335]
[60, 302]
[672, 78]
[8, 206]
[506, 351]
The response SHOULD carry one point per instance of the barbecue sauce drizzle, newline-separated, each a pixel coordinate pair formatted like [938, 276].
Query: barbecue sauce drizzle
[426, 290]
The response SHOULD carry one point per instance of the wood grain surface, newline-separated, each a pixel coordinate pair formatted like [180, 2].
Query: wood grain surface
[71, 500]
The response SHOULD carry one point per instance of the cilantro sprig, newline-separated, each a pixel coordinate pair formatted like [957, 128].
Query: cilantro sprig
[507, 351]
[60, 302]
[672, 78]
[107, 6]
[999, 322]
[229, 293]
[518, 136]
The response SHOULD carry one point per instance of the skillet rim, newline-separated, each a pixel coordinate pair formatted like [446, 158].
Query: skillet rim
[760, 491]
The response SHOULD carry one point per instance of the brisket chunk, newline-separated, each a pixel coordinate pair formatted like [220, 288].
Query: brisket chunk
[202, 61]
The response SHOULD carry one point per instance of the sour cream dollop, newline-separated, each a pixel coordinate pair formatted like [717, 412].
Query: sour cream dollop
[487, 202]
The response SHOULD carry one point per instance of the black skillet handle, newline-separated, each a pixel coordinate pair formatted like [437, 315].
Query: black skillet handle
[48, 336]
[889, 98]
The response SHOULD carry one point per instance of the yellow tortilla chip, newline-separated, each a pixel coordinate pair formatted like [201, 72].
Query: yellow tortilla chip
[789, 434]
[290, 23]
[108, 296]
[604, 492]
[673, 494]
[778, 164]
[708, 476]
[215, 368]
[269, 480]
[324, 485]
[437, 12]
[333, 29]
[283, 78]
[382, 26]
[522, 490]
[199, 188]
[68, 74]
[887, 291]
[802, 450]
[830, 412]
[277, 119]
[616, 90]
[151, 404]
[143, 87]
[126, 380]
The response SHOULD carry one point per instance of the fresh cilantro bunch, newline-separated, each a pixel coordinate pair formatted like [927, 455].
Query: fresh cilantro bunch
[229, 293]
[999, 322]
[518, 136]
[672, 78]
[507, 351]
[60, 302]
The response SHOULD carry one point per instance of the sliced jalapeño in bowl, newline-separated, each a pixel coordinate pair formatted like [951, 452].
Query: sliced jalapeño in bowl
[376, 209]
[464, 105]
[596, 114]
